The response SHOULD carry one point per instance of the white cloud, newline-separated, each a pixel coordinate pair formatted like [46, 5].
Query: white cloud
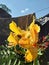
[25, 10]
[22, 11]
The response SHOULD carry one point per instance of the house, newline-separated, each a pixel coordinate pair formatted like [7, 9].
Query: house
[3, 15]
[44, 24]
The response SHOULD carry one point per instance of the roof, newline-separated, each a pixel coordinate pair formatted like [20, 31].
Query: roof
[43, 19]
[4, 14]
[47, 15]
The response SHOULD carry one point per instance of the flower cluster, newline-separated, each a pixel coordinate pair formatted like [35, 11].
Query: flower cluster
[26, 39]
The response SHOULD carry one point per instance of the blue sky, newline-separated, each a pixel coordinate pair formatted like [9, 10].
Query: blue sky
[24, 7]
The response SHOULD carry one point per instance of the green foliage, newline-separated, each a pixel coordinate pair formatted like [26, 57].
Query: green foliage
[40, 52]
[9, 57]
[20, 49]
[36, 62]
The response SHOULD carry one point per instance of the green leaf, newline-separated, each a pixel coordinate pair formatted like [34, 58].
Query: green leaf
[36, 62]
[19, 63]
[15, 62]
[47, 63]
[9, 62]
[3, 63]
[6, 42]
[22, 50]
[40, 52]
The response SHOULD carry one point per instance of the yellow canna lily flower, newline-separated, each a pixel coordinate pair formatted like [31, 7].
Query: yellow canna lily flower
[28, 40]
[11, 39]
[13, 27]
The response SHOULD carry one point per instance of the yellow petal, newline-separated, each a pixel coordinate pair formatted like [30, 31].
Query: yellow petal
[34, 52]
[31, 54]
[36, 38]
[27, 34]
[33, 35]
[13, 27]
[31, 25]
[34, 30]
[37, 28]
[12, 40]
[24, 42]
[33, 22]
[28, 56]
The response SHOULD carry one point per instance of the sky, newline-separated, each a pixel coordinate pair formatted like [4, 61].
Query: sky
[25, 7]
